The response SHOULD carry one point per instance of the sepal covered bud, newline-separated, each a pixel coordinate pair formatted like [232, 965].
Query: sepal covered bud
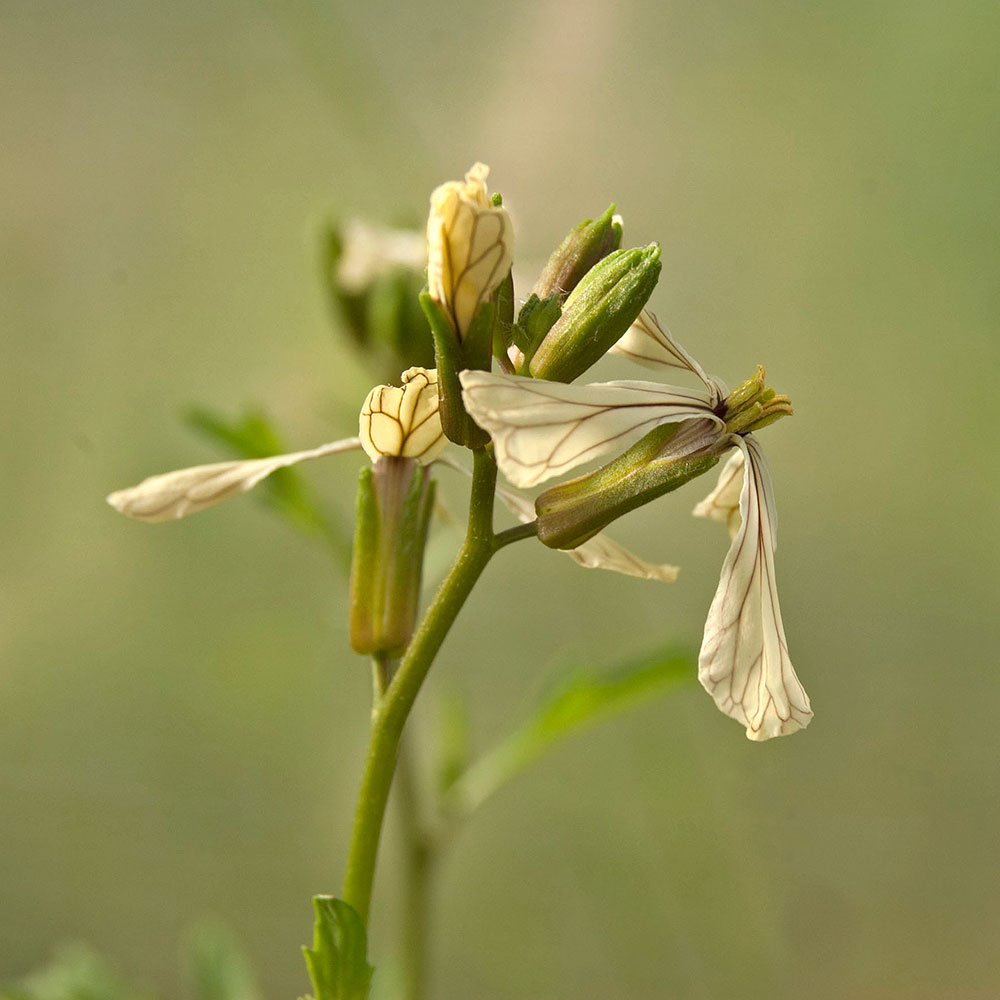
[395, 499]
[597, 313]
[403, 422]
[666, 458]
[585, 245]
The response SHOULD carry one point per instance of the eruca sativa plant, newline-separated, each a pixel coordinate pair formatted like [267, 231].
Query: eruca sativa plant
[503, 392]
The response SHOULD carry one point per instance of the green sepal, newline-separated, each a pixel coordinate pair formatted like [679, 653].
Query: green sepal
[338, 960]
[503, 324]
[364, 592]
[597, 313]
[452, 357]
[585, 245]
[536, 318]
[572, 512]
[395, 499]
[449, 360]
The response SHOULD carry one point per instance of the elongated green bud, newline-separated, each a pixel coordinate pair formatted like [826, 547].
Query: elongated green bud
[395, 498]
[597, 313]
[572, 512]
[585, 245]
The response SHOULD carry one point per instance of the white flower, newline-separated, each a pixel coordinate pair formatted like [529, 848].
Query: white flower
[393, 421]
[470, 243]
[542, 429]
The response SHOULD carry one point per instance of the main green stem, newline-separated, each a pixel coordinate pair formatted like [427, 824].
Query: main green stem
[390, 712]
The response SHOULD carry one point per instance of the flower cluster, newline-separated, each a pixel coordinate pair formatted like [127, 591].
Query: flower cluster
[589, 301]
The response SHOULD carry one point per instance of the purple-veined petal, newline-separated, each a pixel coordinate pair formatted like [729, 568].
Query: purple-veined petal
[744, 662]
[542, 429]
[171, 495]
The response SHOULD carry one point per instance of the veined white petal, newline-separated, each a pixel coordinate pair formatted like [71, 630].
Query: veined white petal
[649, 344]
[723, 503]
[744, 662]
[171, 495]
[542, 429]
[599, 552]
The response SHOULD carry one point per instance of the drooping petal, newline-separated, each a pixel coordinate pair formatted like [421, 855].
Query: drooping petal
[744, 662]
[542, 429]
[647, 343]
[600, 552]
[171, 495]
[723, 503]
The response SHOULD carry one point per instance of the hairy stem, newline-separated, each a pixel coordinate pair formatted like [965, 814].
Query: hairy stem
[390, 712]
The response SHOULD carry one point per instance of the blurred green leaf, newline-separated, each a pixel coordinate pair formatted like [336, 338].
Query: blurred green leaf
[581, 699]
[217, 967]
[453, 741]
[285, 490]
[74, 973]
[338, 962]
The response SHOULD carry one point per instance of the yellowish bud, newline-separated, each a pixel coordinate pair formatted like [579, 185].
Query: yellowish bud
[403, 422]
[470, 244]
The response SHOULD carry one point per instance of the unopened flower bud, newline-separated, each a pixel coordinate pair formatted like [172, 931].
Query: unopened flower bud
[597, 313]
[395, 498]
[470, 245]
[403, 422]
[585, 245]
[666, 458]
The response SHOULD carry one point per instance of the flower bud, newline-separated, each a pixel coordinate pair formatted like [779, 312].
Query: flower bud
[403, 422]
[469, 247]
[597, 313]
[667, 457]
[585, 245]
[395, 498]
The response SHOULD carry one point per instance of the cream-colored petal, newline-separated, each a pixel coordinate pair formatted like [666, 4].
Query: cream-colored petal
[403, 421]
[171, 495]
[744, 662]
[723, 503]
[542, 429]
[470, 243]
[647, 343]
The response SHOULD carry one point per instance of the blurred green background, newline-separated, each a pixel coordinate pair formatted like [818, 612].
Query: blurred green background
[181, 722]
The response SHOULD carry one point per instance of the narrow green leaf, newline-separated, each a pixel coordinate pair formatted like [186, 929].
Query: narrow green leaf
[338, 962]
[583, 698]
